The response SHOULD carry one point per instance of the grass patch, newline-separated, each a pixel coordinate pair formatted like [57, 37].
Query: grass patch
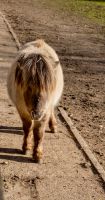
[94, 10]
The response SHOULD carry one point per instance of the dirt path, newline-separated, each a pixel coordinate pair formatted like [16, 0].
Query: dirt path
[64, 173]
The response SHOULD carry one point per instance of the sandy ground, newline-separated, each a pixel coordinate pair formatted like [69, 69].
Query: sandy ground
[74, 39]
[64, 173]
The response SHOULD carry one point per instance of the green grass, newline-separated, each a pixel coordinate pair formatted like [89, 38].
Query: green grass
[94, 10]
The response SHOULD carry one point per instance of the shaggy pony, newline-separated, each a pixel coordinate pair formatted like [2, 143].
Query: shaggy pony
[35, 85]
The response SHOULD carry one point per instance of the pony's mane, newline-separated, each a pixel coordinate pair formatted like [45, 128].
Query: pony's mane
[38, 71]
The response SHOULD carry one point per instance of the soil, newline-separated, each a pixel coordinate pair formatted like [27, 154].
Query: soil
[80, 45]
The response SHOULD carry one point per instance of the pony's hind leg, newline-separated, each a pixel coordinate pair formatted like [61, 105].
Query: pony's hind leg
[28, 134]
[53, 122]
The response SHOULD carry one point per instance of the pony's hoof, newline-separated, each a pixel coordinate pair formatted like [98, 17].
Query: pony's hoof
[37, 160]
[54, 130]
[26, 151]
[37, 157]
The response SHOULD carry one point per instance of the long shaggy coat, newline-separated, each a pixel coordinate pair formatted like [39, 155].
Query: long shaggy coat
[35, 85]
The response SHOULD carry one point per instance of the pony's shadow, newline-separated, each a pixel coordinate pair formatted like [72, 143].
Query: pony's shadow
[4, 152]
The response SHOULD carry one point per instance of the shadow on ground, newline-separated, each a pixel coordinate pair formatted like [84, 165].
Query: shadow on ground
[4, 152]
[11, 130]
[17, 158]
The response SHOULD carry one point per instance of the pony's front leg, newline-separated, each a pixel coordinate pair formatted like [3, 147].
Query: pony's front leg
[38, 132]
[38, 139]
[28, 134]
[53, 122]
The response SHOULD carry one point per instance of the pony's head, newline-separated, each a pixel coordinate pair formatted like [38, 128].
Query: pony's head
[35, 77]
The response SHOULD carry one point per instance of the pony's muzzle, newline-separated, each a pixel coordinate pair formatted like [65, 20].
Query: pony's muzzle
[36, 115]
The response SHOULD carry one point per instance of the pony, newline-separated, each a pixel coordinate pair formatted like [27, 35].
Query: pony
[35, 84]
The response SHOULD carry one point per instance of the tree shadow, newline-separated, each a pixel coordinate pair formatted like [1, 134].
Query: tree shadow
[4, 152]
[11, 151]
[17, 158]
[11, 130]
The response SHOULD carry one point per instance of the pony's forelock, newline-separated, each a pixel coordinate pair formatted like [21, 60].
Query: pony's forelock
[38, 71]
